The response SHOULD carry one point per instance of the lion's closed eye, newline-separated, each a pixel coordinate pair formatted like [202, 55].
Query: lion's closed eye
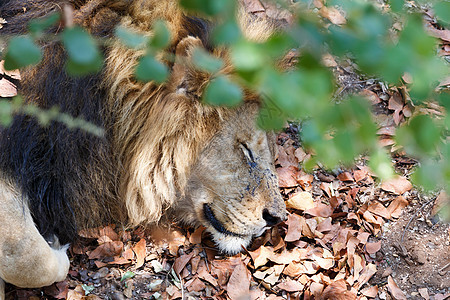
[247, 152]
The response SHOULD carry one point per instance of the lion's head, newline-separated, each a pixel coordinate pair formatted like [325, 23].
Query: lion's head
[233, 187]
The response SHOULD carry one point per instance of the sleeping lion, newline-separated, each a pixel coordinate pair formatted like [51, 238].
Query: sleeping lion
[164, 152]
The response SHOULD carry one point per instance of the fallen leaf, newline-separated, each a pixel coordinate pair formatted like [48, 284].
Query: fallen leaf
[109, 249]
[301, 201]
[332, 14]
[181, 262]
[371, 291]
[287, 177]
[7, 88]
[441, 200]
[141, 252]
[196, 236]
[424, 293]
[320, 210]
[396, 185]
[294, 223]
[290, 285]
[378, 209]
[195, 285]
[345, 176]
[395, 291]
[396, 207]
[359, 175]
[371, 96]
[238, 286]
[328, 61]
[372, 248]
[365, 275]
[338, 290]
[261, 256]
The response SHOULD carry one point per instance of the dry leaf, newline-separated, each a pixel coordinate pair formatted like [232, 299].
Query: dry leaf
[109, 249]
[195, 284]
[332, 14]
[441, 200]
[141, 252]
[372, 248]
[371, 291]
[301, 201]
[395, 291]
[196, 236]
[378, 209]
[337, 290]
[320, 210]
[424, 293]
[345, 176]
[396, 185]
[294, 223]
[238, 286]
[7, 88]
[328, 61]
[371, 96]
[396, 207]
[359, 175]
[287, 177]
[290, 285]
[181, 262]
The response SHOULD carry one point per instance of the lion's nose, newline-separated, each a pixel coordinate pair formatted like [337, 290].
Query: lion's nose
[270, 219]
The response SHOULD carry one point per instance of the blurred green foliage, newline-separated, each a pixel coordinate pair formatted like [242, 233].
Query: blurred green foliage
[337, 132]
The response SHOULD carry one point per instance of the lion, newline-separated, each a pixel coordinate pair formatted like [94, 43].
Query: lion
[164, 152]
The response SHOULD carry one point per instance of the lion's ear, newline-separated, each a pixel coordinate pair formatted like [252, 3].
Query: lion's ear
[186, 79]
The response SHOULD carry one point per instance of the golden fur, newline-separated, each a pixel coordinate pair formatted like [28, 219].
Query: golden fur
[207, 165]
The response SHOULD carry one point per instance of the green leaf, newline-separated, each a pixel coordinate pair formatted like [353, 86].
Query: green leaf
[37, 26]
[150, 69]
[396, 5]
[205, 61]
[221, 91]
[80, 46]
[248, 56]
[226, 33]
[21, 52]
[129, 38]
[161, 35]
[76, 69]
[209, 7]
[127, 275]
[87, 288]
[442, 10]
[380, 163]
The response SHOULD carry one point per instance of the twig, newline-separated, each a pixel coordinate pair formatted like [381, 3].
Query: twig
[182, 288]
[441, 271]
[413, 216]
[205, 256]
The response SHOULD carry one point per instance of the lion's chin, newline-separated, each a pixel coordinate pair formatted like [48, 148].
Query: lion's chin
[230, 244]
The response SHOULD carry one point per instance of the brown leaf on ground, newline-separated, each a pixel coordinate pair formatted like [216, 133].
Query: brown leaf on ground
[195, 285]
[359, 175]
[395, 291]
[287, 177]
[301, 201]
[7, 88]
[377, 208]
[396, 207]
[290, 285]
[109, 249]
[372, 248]
[238, 286]
[294, 223]
[181, 262]
[333, 15]
[337, 290]
[320, 210]
[396, 185]
[371, 96]
[286, 157]
[441, 200]
[101, 233]
[424, 293]
[141, 252]
[371, 291]
[58, 290]
[345, 176]
[301, 154]
[196, 236]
